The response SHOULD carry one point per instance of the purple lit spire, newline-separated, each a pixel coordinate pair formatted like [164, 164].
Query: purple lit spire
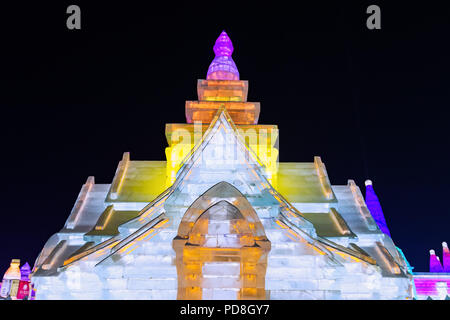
[446, 257]
[25, 272]
[435, 263]
[223, 66]
[375, 208]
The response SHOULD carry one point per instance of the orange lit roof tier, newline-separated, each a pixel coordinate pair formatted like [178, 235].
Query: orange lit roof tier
[185, 133]
[240, 112]
[222, 90]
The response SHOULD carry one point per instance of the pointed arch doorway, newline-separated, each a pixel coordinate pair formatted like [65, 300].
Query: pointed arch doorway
[221, 248]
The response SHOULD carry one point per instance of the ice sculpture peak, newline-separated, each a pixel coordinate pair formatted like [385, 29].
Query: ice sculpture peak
[25, 271]
[223, 45]
[373, 204]
[435, 263]
[446, 257]
[223, 66]
[25, 267]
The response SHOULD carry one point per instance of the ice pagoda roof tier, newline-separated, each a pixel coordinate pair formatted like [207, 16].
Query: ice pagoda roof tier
[222, 90]
[174, 132]
[331, 225]
[256, 189]
[145, 180]
[142, 245]
[108, 223]
[204, 111]
[214, 94]
[142, 181]
[137, 182]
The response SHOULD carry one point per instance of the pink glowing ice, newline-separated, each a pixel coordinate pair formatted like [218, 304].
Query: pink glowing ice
[446, 257]
[435, 263]
[426, 284]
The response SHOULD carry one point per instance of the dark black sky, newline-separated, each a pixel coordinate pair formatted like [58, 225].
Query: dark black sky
[372, 104]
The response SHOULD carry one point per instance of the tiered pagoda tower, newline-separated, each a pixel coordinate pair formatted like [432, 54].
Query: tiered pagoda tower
[221, 219]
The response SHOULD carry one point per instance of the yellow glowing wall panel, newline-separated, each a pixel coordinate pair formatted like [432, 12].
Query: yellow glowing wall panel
[300, 182]
[175, 156]
[145, 180]
[222, 90]
[240, 112]
[262, 139]
[142, 182]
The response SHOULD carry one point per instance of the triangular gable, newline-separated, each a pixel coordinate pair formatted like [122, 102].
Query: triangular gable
[240, 167]
[221, 147]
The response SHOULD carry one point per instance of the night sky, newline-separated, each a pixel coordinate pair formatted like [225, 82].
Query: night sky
[372, 103]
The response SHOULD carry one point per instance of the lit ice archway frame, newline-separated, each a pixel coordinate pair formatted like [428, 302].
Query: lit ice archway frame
[230, 269]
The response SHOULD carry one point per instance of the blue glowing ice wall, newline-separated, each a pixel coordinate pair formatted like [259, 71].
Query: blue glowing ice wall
[375, 208]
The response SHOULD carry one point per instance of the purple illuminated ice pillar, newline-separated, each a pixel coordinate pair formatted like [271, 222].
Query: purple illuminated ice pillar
[223, 66]
[435, 264]
[25, 272]
[446, 257]
[375, 208]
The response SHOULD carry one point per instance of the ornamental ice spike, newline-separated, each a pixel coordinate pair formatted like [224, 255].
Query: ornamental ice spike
[223, 66]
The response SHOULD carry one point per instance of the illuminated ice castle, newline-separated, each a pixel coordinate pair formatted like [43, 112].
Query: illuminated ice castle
[222, 218]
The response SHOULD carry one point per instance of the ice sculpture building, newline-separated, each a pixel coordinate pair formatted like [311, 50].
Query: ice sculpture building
[221, 218]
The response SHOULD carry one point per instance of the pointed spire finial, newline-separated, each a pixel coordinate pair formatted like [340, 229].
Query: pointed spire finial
[223, 45]
[223, 66]
[25, 271]
[435, 263]
[373, 204]
[446, 257]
